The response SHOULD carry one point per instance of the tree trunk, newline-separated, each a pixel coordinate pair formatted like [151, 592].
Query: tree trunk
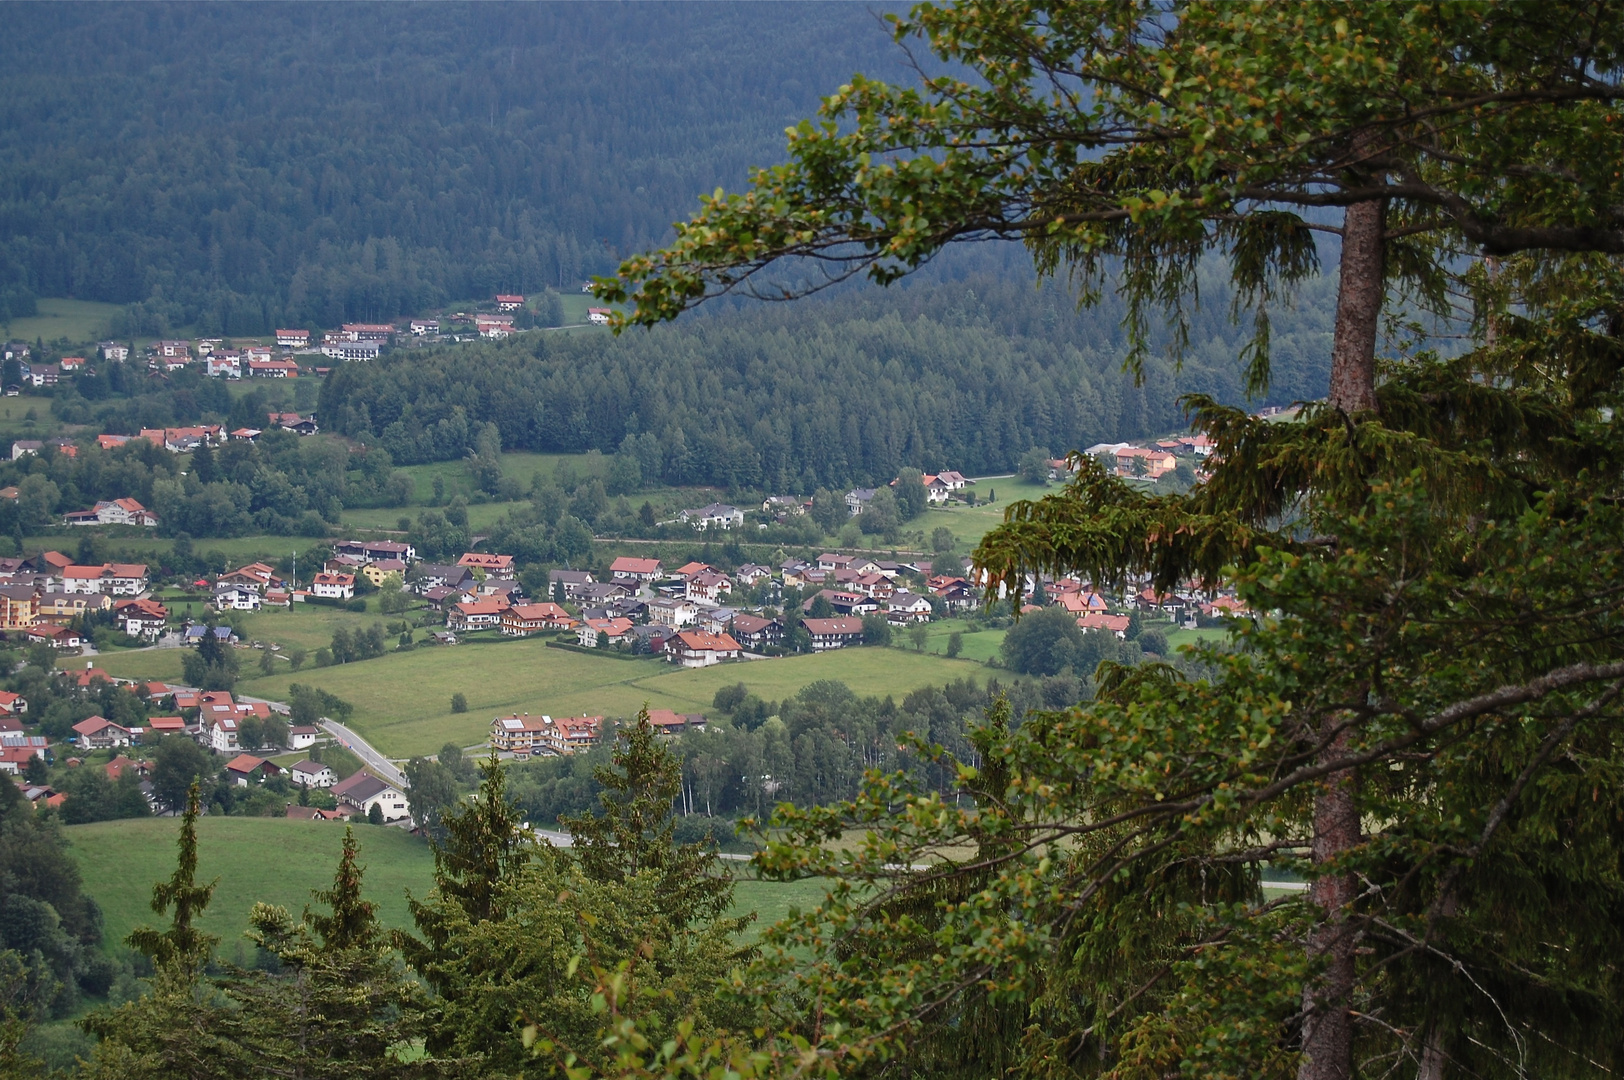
[1328, 1024]
[1433, 1057]
[1358, 307]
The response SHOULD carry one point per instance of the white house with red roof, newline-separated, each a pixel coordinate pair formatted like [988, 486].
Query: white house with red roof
[484, 614]
[14, 704]
[508, 302]
[115, 512]
[112, 579]
[522, 620]
[593, 630]
[834, 633]
[334, 586]
[245, 769]
[293, 339]
[698, 648]
[628, 568]
[98, 732]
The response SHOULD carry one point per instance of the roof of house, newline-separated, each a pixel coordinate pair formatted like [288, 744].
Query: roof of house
[92, 724]
[308, 767]
[612, 627]
[570, 577]
[665, 718]
[490, 605]
[751, 624]
[335, 579]
[247, 763]
[626, 564]
[540, 611]
[484, 561]
[844, 624]
[702, 641]
[360, 787]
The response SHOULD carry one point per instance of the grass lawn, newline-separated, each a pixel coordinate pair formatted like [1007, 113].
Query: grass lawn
[481, 516]
[969, 523]
[774, 900]
[279, 862]
[256, 859]
[162, 665]
[1176, 638]
[980, 646]
[403, 700]
[76, 320]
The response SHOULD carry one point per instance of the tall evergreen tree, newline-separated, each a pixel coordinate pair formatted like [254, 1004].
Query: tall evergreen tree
[634, 833]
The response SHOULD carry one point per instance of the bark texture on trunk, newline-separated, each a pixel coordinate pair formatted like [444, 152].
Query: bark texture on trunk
[1360, 290]
[1328, 1023]
[1433, 1057]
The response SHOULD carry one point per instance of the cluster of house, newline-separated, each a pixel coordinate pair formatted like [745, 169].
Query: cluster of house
[684, 614]
[939, 488]
[214, 719]
[1140, 461]
[41, 595]
[177, 440]
[523, 735]
[248, 588]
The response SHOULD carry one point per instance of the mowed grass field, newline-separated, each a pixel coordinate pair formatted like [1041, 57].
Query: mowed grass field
[256, 859]
[278, 862]
[969, 523]
[75, 320]
[403, 700]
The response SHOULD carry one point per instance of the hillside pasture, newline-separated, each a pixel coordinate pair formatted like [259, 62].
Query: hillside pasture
[969, 523]
[276, 861]
[255, 859]
[76, 321]
[403, 700]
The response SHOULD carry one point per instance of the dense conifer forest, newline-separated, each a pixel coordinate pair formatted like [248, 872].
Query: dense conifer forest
[243, 167]
[959, 372]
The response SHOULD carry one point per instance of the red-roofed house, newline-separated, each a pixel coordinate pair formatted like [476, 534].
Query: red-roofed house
[113, 579]
[293, 339]
[834, 633]
[166, 725]
[626, 568]
[667, 722]
[475, 560]
[273, 369]
[141, 618]
[334, 586]
[696, 648]
[89, 675]
[1098, 620]
[245, 769]
[12, 703]
[115, 512]
[508, 302]
[590, 632]
[483, 614]
[97, 732]
[523, 620]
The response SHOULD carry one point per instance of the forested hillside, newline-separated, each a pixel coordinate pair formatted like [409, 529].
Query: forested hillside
[240, 167]
[963, 374]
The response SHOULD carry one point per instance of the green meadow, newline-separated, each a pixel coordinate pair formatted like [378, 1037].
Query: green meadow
[76, 321]
[276, 861]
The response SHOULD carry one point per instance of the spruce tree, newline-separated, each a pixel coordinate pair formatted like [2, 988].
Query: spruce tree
[634, 833]
[340, 1006]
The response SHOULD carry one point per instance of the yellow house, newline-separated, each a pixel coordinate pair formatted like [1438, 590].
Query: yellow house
[19, 607]
[375, 572]
[64, 607]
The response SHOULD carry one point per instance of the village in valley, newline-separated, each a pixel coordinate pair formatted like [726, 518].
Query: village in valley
[696, 613]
